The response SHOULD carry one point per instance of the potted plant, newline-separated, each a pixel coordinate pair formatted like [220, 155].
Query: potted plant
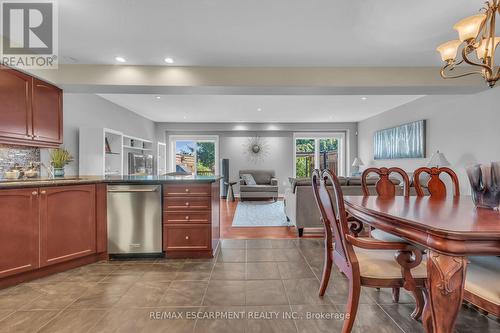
[59, 158]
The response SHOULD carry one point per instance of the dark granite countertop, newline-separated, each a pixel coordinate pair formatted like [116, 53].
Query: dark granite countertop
[75, 180]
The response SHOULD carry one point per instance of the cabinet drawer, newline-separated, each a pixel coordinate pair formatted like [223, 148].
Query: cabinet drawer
[186, 237]
[187, 217]
[186, 203]
[176, 190]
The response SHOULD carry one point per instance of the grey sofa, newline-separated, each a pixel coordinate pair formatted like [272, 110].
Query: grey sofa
[301, 208]
[266, 187]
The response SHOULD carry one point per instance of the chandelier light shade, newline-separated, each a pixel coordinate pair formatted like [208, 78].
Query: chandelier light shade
[485, 49]
[469, 27]
[476, 46]
[449, 50]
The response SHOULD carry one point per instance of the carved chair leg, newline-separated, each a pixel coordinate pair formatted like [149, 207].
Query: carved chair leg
[420, 302]
[327, 266]
[395, 295]
[352, 305]
[325, 278]
[408, 260]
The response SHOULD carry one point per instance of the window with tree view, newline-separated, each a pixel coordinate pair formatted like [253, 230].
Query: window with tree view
[195, 157]
[316, 153]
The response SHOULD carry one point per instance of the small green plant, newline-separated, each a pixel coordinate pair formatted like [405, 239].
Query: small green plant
[60, 157]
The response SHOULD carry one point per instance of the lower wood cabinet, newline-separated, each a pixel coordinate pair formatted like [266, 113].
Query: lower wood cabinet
[190, 227]
[19, 238]
[192, 237]
[44, 226]
[67, 223]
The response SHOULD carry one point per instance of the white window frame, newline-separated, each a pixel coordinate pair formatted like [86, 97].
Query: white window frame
[197, 138]
[340, 136]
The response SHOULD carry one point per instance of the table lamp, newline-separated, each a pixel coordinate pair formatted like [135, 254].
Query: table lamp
[438, 160]
[356, 164]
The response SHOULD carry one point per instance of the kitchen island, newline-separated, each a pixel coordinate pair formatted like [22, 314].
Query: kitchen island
[51, 225]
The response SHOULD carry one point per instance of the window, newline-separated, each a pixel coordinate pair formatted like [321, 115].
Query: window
[318, 151]
[195, 155]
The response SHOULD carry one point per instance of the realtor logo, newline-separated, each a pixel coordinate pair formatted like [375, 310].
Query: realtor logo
[29, 34]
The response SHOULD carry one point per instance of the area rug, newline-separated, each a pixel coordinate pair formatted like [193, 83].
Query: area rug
[260, 214]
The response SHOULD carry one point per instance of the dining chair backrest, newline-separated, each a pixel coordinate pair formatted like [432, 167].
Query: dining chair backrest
[333, 215]
[435, 186]
[385, 187]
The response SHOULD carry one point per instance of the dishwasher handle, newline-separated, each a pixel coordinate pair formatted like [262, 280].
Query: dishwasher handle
[134, 190]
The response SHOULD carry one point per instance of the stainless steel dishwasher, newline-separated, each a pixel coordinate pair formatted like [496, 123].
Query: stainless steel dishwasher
[134, 220]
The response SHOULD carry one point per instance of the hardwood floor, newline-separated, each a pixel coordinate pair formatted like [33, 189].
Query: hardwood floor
[227, 210]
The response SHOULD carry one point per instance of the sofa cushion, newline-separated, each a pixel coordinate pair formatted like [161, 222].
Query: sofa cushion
[248, 179]
[369, 181]
[261, 177]
[258, 188]
[294, 182]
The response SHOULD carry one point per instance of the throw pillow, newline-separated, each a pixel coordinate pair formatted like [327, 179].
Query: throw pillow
[248, 178]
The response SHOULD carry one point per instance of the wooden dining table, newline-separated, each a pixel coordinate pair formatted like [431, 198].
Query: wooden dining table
[450, 229]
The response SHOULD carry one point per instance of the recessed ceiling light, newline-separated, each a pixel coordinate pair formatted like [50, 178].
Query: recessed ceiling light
[169, 60]
[158, 97]
[259, 109]
[364, 98]
[120, 59]
[184, 117]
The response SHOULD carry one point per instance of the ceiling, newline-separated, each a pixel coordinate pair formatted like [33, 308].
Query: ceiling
[259, 33]
[245, 108]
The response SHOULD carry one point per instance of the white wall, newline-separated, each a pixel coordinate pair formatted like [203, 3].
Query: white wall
[88, 110]
[280, 143]
[463, 127]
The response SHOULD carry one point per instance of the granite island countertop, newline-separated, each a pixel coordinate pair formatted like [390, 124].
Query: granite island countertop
[76, 180]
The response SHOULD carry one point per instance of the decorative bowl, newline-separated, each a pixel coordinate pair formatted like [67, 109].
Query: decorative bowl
[485, 185]
[13, 174]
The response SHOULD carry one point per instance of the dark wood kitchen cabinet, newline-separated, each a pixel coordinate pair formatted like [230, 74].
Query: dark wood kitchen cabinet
[190, 220]
[30, 110]
[47, 112]
[18, 231]
[67, 223]
[45, 230]
[15, 105]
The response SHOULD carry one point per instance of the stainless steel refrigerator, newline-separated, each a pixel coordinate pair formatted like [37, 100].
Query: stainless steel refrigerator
[140, 164]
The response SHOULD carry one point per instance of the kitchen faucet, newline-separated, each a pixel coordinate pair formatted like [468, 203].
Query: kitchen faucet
[49, 170]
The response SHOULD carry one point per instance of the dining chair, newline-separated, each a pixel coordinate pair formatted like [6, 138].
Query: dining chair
[481, 280]
[364, 261]
[435, 186]
[386, 188]
[481, 284]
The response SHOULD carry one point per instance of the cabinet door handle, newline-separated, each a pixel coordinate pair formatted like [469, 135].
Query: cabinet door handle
[43, 192]
[34, 193]
[187, 217]
[187, 203]
[187, 237]
[187, 190]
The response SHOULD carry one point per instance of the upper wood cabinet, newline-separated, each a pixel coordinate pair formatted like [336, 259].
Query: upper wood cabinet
[30, 110]
[47, 112]
[15, 105]
[19, 227]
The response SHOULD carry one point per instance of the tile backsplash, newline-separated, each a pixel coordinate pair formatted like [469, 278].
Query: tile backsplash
[10, 155]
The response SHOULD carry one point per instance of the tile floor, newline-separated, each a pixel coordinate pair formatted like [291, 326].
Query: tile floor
[261, 278]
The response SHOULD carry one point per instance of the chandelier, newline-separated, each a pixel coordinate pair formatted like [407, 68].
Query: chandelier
[476, 35]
